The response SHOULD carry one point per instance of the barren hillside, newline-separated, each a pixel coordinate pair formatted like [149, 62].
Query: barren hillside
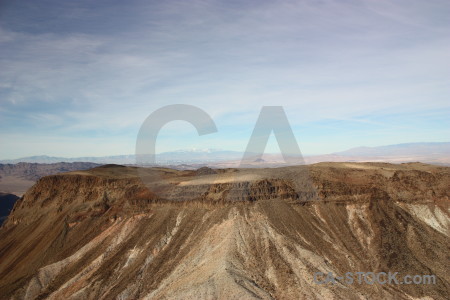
[228, 234]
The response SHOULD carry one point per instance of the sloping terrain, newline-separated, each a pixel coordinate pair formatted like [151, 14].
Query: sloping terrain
[228, 234]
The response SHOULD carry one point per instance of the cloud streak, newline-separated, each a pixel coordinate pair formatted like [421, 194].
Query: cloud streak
[90, 69]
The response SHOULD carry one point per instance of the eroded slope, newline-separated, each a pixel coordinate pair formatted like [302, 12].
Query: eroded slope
[248, 234]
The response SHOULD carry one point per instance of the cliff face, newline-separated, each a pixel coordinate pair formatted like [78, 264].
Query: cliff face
[242, 234]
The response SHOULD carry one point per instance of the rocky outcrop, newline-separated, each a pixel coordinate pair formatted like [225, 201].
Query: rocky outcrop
[224, 234]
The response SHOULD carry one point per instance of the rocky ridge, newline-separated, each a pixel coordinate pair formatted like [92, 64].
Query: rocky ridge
[228, 234]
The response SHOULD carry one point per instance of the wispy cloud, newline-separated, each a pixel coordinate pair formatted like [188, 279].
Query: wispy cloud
[89, 69]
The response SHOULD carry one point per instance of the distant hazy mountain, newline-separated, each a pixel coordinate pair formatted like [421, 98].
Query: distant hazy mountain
[44, 159]
[424, 152]
[174, 157]
[399, 149]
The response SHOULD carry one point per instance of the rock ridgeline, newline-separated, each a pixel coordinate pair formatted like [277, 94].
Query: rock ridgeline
[235, 233]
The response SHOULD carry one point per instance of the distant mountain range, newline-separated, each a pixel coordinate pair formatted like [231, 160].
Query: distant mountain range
[400, 149]
[17, 175]
[438, 153]
[432, 153]
[174, 157]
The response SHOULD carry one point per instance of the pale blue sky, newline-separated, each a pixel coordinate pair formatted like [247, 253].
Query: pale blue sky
[78, 78]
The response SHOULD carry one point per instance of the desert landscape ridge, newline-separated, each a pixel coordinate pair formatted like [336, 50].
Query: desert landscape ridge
[103, 234]
[224, 150]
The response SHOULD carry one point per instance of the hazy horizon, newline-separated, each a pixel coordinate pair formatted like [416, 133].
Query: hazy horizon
[408, 147]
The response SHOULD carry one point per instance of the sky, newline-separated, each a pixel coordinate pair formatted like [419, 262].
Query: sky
[78, 78]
